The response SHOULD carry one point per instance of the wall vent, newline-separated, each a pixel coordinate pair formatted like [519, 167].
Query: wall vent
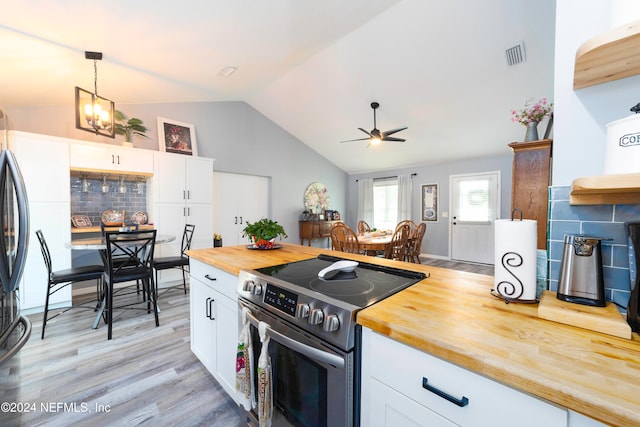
[515, 55]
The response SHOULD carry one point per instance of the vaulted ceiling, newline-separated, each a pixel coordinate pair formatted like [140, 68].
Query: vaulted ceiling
[313, 67]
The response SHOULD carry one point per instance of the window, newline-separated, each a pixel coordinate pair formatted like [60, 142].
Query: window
[474, 201]
[385, 204]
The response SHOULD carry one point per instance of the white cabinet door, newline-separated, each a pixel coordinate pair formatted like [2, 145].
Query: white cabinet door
[203, 326]
[169, 178]
[110, 158]
[51, 219]
[44, 164]
[388, 408]
[238, 199]
[183, 194]
[199, 180]
[227, 333]
[215, 322]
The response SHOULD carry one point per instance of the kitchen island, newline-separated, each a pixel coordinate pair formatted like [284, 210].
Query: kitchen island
[452, 316]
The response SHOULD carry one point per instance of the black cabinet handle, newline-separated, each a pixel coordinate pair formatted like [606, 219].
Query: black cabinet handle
[459, 402]
[209, 308]
[240, 220]
[209, 277]
[236, 219]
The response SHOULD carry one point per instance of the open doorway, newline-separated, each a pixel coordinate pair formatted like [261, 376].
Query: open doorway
[475, 205]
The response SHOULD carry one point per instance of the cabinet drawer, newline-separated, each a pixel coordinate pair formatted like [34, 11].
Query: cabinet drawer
[490, 403]
[215, 278]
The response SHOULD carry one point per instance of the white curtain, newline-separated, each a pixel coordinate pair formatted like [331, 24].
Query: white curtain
[404, 197]
[365, 200]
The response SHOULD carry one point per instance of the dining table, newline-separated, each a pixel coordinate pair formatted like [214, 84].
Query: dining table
[100, 244]
[371, 244]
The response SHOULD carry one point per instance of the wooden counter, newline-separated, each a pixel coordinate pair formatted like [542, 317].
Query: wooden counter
[451, 315]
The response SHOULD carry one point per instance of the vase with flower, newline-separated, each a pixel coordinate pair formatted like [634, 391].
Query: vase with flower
[531, 115]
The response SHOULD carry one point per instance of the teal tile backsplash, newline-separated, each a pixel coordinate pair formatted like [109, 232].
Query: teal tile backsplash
[605, 221]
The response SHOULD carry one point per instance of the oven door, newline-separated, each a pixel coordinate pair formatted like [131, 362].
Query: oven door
[312, 382]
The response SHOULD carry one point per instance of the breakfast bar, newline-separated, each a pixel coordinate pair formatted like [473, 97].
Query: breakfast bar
[452, 316]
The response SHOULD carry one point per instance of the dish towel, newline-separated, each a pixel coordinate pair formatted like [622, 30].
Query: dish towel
[265, 401]
[244, 364]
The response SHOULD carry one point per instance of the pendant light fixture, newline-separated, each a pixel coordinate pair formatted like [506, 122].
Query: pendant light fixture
[94, 113]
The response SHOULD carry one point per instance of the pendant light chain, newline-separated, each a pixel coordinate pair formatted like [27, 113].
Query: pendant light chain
[95, 77]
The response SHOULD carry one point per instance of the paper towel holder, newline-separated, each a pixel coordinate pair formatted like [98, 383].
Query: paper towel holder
[505, 298]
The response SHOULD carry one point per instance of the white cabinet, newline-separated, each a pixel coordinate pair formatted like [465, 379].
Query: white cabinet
[183, 194]
[44, 165]
[109, 158]
[214, 322]
[238, 199]
[394, 392]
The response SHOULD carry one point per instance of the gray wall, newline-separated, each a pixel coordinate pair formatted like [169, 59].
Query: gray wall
[436, 240]
[237, 136]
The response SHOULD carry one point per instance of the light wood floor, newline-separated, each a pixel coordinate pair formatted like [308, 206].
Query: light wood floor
[455, 265]
[143, 376]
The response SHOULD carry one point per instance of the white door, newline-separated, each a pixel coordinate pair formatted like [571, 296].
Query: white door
[238, 199]
[475, 204]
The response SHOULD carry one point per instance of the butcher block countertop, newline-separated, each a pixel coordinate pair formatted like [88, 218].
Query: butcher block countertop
[451, 315]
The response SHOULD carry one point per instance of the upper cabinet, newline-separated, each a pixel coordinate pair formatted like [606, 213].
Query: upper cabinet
[110, 159]
[610, 56]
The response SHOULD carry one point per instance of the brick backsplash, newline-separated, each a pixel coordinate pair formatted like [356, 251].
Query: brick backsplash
[95, 201]
[606, 221]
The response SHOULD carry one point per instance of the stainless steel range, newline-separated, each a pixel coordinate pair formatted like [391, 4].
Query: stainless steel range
[310, 307]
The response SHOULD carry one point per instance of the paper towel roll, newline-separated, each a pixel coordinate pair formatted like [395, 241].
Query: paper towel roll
[516, 244]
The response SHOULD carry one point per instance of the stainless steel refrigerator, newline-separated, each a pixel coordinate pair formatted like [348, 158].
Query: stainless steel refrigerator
[15, 329]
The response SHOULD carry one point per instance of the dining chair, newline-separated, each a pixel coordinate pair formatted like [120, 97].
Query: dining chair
[415, 244]
[60, 279]
[412, 225]
[129, 258]
[363, 227]
[344, 239]
[397, 248]
[180, 261]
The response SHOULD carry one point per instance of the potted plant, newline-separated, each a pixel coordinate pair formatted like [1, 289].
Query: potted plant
[129, 127]
[263, 232]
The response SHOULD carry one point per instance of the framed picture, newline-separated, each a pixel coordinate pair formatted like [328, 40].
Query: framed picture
[430, 202]
[177, 137]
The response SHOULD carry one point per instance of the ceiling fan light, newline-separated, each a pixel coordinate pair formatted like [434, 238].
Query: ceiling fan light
[375, 141]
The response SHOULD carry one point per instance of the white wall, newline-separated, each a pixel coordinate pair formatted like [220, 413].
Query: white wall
[581, 116]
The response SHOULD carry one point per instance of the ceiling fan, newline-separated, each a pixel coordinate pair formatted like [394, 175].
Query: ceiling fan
[375, 136]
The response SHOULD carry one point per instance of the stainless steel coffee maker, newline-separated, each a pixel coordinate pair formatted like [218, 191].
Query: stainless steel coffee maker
[581, 280]
[633, 319]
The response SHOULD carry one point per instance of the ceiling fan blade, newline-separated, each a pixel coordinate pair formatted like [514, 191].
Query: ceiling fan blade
[361, 139]
[393, 139]
[367, 132]
[392, 131]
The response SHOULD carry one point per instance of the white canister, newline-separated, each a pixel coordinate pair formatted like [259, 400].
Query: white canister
[622, 154]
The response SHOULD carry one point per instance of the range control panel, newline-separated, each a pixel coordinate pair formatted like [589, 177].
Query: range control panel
[323, 319]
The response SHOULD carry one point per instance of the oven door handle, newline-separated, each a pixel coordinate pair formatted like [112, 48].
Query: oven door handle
[312, 352]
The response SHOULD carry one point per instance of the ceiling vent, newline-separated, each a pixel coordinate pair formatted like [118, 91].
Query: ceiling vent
[515, 55]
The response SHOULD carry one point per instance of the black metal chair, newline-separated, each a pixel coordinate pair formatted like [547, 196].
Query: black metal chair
[129, 258]
[59, 279]
[180, 261]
